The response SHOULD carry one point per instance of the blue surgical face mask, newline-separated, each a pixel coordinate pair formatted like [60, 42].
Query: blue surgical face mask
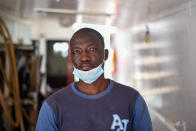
[89, 76]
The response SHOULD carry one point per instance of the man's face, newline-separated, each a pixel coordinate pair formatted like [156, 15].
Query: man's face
[87, 51]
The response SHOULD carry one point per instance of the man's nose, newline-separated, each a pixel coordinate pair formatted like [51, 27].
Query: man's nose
[85, 56]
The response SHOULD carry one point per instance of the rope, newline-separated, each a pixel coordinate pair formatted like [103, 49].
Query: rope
[15, 84]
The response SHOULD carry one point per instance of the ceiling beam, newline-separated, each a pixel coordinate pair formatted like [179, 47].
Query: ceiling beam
[72, 12]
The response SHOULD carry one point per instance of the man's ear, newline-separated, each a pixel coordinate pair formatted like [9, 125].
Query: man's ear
[106, 54]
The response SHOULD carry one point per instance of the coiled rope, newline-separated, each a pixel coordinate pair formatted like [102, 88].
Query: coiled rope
[13, 86]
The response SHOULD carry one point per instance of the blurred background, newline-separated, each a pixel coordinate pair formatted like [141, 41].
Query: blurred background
[151, 48]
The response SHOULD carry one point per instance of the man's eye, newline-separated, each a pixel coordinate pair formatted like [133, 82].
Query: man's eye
[92, 49]
[76, 51]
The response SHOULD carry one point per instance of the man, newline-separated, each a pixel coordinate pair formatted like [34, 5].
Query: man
[93, 103]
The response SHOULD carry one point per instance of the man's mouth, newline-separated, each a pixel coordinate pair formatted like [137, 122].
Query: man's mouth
[86, 67]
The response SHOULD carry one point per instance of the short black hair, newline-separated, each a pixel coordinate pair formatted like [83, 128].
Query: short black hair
[84, 30]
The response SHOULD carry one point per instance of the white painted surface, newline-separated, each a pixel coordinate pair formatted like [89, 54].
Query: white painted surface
[172, 37]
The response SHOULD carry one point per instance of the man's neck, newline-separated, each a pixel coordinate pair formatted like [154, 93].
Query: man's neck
[94, 88]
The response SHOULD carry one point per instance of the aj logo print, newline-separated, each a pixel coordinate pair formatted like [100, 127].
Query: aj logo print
[118, 124]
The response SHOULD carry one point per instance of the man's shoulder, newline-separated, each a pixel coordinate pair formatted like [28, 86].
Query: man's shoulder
[125, 90]
[60, 95]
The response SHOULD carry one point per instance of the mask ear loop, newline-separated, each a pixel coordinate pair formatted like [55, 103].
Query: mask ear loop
[103, 59]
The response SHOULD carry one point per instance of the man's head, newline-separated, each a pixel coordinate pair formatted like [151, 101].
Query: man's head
[87, 49]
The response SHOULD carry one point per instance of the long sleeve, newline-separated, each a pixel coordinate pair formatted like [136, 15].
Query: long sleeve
[46, 119]
[141, 120]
